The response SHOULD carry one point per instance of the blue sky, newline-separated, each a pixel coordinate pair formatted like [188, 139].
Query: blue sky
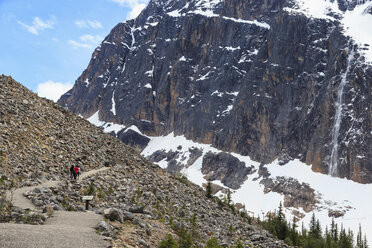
[46, 44]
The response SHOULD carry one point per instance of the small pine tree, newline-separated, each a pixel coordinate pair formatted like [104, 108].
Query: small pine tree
[228, 199]
[303, 230]
[293, 235]
[359, 240]
[312, 230]
[212, 243]
[194, 227]
[345, 241]
[238, 244]
[169, 242]
[328, 238]
[185, 238]
[281, 224]
[365, 243]
[318, 230]
[334, 230]
[209, 189]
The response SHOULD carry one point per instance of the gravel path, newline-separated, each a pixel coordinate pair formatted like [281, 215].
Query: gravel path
[20, 201]
[63, 230]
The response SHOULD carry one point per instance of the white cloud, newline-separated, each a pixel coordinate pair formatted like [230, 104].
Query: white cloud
[86, 41]
[81, 24]
[88, 24]
[94, 24]
[136, 10]
[53, 90]
[38, 25]
[136, 6]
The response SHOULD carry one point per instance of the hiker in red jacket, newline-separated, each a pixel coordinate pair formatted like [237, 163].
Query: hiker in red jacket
[76, 172]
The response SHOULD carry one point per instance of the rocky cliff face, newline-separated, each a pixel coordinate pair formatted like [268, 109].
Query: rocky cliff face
[259, 78]
[40, 140]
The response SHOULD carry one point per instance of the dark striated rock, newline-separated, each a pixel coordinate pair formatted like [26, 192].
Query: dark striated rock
[195, 154]
[133, 139]
[171, 157]
[226, 168]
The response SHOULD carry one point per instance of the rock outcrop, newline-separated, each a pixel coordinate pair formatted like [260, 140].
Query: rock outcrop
[296, 195]
[252, 77]
[225, 168]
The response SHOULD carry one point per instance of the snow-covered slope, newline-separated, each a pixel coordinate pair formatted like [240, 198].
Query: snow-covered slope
[333, 194]
[357, 20]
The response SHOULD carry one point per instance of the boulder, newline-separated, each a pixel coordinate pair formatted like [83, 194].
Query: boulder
[114, 214]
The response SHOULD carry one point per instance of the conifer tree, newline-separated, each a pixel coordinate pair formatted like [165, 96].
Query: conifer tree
[212, 243]
[359, 240]
[312, 230]
[365, 243]
[328, 238]
[318, 230]
[169, 242]
[293, 233]
[209, 189]
[185, 238]
[228, 199]
[334, 230]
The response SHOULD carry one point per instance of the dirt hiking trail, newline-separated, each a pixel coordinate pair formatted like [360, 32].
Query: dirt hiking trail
[63, 230]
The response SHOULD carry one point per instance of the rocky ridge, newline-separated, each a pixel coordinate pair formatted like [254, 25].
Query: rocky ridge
[40, 140]
[145, 197]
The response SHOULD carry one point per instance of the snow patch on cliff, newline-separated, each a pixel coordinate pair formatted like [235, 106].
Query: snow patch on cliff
[356, 22]
[113, 107]
[94, 119]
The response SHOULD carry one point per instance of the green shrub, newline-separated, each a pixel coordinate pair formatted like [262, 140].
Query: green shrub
[110, 190]
[238, 244]
[138, 193]
[212, 243]
[183, 179]
[91, 189]
[169, 242]
[101, 194]
[185, 238]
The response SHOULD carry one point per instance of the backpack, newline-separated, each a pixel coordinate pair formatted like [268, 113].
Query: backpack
[77, 170]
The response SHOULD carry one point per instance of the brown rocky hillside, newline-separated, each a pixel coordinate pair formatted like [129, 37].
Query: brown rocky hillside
[39, 140]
